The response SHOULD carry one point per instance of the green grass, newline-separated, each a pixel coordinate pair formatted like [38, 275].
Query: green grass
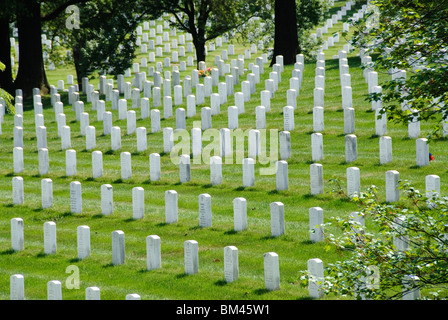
[170, 282]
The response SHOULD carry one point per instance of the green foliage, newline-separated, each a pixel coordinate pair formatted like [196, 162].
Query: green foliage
[377, 265]
[6, 97]
[410, 36]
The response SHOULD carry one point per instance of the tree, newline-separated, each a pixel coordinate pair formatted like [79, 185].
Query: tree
[105, 42]
[286, 42]
[279, 23]
[28, 15]
[411, 36]
[206, 20]
[411, 239]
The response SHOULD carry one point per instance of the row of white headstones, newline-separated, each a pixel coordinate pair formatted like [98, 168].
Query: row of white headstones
[277, 221]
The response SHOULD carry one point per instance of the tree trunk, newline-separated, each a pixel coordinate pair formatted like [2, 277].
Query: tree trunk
[199, 45]
[77, 59]
[286, 42]
[6, 81]
[31, 73]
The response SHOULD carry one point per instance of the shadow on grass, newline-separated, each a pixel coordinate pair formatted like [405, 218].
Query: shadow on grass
[162, 224]
[230, 232]
[7, 251]
[74, 260]
[260, 292]
[108, 265]
[181, 275]
[220, 283]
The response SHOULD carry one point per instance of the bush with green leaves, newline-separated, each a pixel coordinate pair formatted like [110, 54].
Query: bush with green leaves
[406, 238]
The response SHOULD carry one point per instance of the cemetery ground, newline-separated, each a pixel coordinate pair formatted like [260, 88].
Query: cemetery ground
[294, 247]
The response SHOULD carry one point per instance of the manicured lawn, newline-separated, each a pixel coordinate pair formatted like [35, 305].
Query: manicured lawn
[171, 282]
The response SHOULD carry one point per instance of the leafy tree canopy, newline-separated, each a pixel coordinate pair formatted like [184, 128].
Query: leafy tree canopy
[411, 36]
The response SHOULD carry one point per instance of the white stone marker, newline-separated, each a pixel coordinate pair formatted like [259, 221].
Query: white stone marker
[353, 181]
[248, 172]
[93, 293]
[17, 287]
[265, 96]
[349, 120]
[260, 117]
[316, 270]
[107, 200]
[18, 159]
[316, 219]
[317, 147]
[17, 190]
[318, 97]
[168, 139]
[422, 152]
[155, 120]
[351, 148]
[271, 271]
[401, 239]
[205, 210]
[138, 203]
[184, 168]
[277, 219]
[171, 210]
[392, 190]
[97, 164]
[196, 144]
[18, 137]
[54, 290]
[118, 248]
[41, 135]
[17, 240]
[281, 175]
[411, 290]
[239, 214]
[122, 109]
[232, 114]
[153, 252]
[215, 170]
[47, 193]
[115, 138]
[90, 138]
[107, 123]
[65, 138]
[231, 268]
[347, 97]
[126, 167]
[318, 119]
[316, 179]
[154, 167]
[142, 143]
[285, 145]
[75, 197]
[380, 123]
[254, 143]
[432, 187]
[191, 257]
[83, 242]
[385, 143]
[70, 162]
[288, 118]
[131, 122]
